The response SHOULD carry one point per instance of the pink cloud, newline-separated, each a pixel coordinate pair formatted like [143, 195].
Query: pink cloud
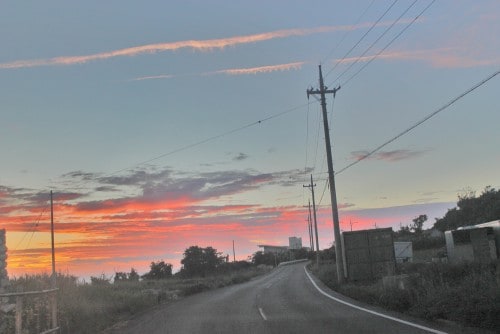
[198, 45]
[263, 69]
[232, 71]
[439, 58]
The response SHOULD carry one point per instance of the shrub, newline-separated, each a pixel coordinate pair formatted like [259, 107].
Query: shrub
[467, 293]
[195, 288]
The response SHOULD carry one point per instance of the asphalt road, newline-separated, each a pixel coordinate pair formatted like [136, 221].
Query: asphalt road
[283, 301]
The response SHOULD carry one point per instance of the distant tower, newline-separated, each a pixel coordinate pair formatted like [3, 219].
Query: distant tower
[295, 243]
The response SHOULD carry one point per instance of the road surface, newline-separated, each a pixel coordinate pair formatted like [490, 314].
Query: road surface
[287, 300]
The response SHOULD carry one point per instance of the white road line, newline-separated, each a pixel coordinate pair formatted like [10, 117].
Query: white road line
[262, 314]
[370, 311]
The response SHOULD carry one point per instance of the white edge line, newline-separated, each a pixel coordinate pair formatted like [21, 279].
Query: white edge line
[370, 311]
[262, 314]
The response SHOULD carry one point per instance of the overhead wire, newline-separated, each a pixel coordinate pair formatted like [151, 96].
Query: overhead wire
[362, 37]
[390, 43]
[376, 41]
[348, 31]
[32, 229]
[444, 107]
[200, 142]
[307, 148]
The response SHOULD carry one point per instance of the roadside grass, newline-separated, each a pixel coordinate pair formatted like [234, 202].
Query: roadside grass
[92, 308]
[467, 294]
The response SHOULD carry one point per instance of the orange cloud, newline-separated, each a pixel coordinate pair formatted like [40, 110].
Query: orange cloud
[99, 236]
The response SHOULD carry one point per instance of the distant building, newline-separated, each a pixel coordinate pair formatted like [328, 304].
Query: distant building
[478, 243]
[295, 243]
[273, 249]
[433, 233]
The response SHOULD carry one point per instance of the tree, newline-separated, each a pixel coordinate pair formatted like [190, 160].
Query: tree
[158, 270]
[418, 223]
[100, 280]
[199, 261]
[260, 257]
[471, 210]
[134, 276]
[125, 277]
[120, 277]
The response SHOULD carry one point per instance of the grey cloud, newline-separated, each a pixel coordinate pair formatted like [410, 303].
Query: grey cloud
[241, 156]
[207, 185]
[391, 156]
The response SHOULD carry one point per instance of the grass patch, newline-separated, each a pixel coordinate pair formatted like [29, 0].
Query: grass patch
[467, 294]
[91, 308]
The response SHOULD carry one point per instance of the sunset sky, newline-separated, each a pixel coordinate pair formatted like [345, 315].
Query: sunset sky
[160, 125]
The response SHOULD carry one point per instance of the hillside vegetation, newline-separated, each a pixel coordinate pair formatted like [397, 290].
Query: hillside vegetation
[102, 303]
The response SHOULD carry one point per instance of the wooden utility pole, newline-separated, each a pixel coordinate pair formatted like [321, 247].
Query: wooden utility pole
[52, 240]
[53, 296]
[309, 225]
[312, 185]
[234, 254]
[331, 175]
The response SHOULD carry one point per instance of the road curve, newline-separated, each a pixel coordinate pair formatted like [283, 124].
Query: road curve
[283, 301]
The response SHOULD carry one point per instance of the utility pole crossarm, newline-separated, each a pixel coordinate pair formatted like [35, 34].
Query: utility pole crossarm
[311, 91]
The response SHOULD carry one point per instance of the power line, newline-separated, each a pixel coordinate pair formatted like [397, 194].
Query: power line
[212, 138]
[376, 41]
[421, 121]
[362, 37]
[348, 32]
[388, 44]
[32, 230]
[79, 186]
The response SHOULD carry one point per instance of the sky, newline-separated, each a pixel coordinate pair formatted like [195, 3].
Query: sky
[160, 125]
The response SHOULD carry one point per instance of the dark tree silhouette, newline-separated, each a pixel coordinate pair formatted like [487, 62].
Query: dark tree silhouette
[159, 270]
[125, 277]
[199, 261]
[418, 223]
[264, 258]
[472, 210]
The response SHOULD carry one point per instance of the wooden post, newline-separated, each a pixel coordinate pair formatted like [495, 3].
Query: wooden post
[53, 306]
[19, 314]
